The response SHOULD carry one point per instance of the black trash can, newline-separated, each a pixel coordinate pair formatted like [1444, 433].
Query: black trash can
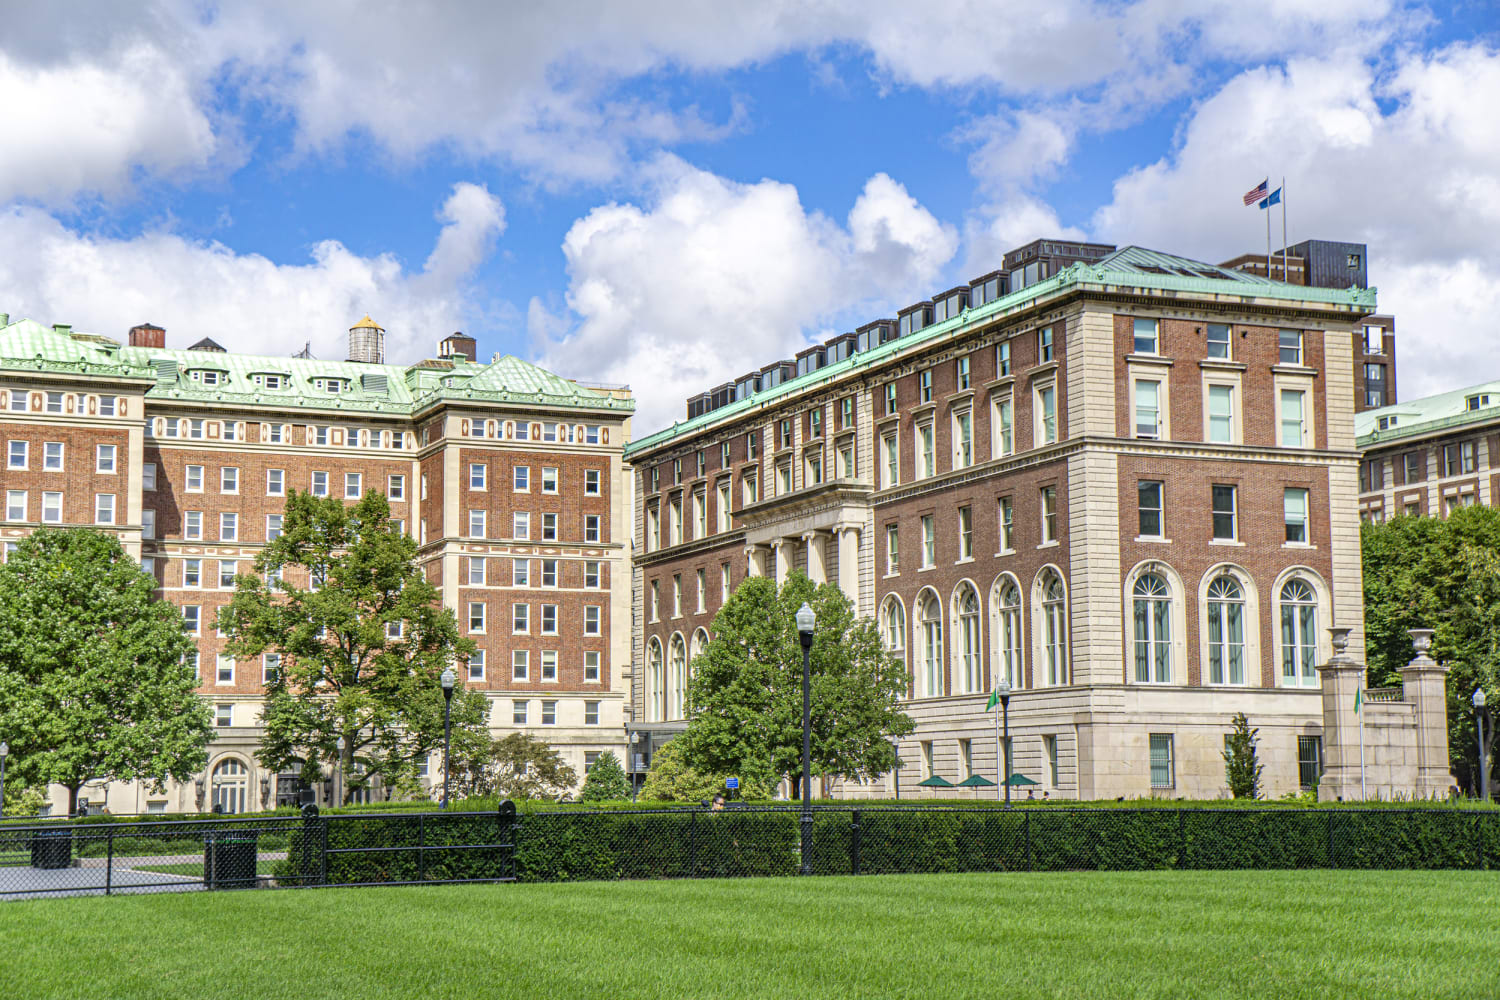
[229, 860]
[52, 849]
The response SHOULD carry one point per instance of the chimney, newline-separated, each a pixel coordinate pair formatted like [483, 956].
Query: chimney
[147, 335]
[458, 345]
[367, 342]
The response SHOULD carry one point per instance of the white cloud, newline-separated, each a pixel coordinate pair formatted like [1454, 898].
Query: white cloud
[712, 279]
[1404, 160]
[133, 86]
[246, 302]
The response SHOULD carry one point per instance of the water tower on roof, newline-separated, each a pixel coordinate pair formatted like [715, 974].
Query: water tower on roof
[367, 342]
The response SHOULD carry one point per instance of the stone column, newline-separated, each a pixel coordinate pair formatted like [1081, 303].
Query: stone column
[849, 561]
[817, 557]
[1424, 684]
[783, 550]
[755, 560]
[1342, 678]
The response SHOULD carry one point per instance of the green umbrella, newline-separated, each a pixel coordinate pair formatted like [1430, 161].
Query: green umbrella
[975, 781]
[936, 781]
[1019, 779]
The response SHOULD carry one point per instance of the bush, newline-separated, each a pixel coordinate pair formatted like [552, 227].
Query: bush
[605, 781]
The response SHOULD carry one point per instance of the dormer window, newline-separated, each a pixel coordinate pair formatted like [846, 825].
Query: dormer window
[208, 376]
[332, 386]
[269, 380]
[1477, 401]
[1386, 423]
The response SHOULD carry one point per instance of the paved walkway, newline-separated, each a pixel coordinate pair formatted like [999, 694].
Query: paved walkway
[94, 876]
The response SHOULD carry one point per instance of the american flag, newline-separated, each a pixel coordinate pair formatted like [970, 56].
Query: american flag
[1258, 192]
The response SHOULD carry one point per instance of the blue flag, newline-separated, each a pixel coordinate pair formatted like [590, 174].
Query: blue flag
[1274, 199]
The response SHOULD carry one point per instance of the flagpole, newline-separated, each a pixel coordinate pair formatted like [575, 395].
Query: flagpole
[1268, 235]
[999, 778]
[1357, 711]
[1284, 276]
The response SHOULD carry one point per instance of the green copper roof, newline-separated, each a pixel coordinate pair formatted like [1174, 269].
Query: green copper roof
[1128, 267]
[1424, 416]
[231, 378]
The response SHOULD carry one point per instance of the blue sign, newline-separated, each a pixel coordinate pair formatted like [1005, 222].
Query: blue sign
[731, 782]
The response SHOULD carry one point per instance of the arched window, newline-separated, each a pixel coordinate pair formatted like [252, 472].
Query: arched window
[1226, 631]
[1299, 633]
[700, 643]
[677, 669]
[656, 688]
[1008, 632]
[930, 667]
[969, 664]
[1054, 628]
[1152, 620]
[893, 626]
[231, 785]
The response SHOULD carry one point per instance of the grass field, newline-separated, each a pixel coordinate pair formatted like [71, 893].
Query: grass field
[1234, 935]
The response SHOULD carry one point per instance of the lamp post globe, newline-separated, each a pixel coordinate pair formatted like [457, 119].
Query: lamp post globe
[447, 680]
[806, 622]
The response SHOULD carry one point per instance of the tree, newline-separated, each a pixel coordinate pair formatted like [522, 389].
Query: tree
[520, 766]
[94, 674]
[745, 693]
[605, 781]
[1241, 767]
[672, 780]
[363, 640]
[1442, 574]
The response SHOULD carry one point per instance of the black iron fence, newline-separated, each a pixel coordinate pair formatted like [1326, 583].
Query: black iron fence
[350, 849]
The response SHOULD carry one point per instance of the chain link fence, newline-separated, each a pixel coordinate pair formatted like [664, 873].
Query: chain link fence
[353, 849]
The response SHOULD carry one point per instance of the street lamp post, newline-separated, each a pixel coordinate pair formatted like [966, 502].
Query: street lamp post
[1481, 725]
[338, 774]
[1002, 748]
[447, 681]
[4, 752]
[805, 622]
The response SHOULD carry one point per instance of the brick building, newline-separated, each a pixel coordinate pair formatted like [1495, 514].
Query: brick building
[509, 477]
[1333, 264]
[1126, 483]
[1429, 456]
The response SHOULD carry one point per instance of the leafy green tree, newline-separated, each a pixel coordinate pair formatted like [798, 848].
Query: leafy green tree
[605, 781]
[94, 675]
[746, 690]
[1242, 768]
[672, 780]
[1442, 574]
[519, 766]
[363, 639]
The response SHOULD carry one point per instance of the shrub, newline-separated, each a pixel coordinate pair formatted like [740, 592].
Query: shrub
[605, 781]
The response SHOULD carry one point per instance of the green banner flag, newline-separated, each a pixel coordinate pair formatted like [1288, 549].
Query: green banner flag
[1359, 699]
[994, 700]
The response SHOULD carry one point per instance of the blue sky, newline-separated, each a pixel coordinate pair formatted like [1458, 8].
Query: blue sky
[671, 194]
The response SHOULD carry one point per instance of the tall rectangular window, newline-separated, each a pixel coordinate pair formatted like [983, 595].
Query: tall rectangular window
[1002, 359]
[520, 665]
[549, 713]
[929, 541]
[1044, 345]
[518, 710]
[962, 373]
[591, 666]
[320, 484]
[1221, 414]
[16, 455]
[1146, 337]
[1163, 772]
[192, 572]
[476, 523]
[229, 527]
[1005, 434]
[1295, 504]
[353, 485]
[476, 665]
[520, 572]
[478, 473]
[549, 527]
[104, 508]
[148, 476]
[520, 525]
[924, 386]
[549, 572]
[1049, 513]
[192, 524]
[520, 619]
[891, 465]
[1007, 525]
[1049, 746]
[926, 450]
[476, 616]
[275, 482]
[521, 479]
[892, 549]
[1149, 502]
[1415, 463]
[1046, 398]
[1293, 418]
[15, 506]
[476, 571]
[1147, 409]
[965, 533]
[963, 439]
[591, 713]
[590, 482]
[1224, 512]
[549, 665]
[890, 398]
[104, 459]
[1309, 762]
[193, 478]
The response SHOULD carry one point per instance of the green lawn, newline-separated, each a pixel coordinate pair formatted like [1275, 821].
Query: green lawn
[1109, 935]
